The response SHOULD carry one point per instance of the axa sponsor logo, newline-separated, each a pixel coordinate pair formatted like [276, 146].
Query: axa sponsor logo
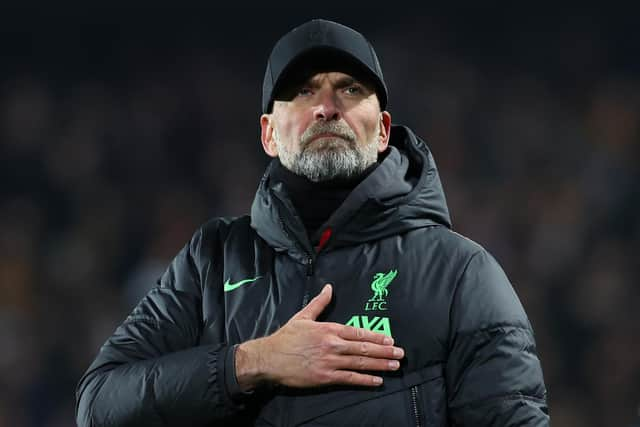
[373, 323]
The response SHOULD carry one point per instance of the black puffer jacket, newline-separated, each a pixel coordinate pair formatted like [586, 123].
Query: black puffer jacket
[396, 267]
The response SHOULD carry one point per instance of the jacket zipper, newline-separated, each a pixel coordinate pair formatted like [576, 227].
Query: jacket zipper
[309, 267]
[414, 404]
[305, 298]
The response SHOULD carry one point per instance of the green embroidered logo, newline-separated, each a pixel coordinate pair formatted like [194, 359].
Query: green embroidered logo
[375, 324]
[231, 286]
[379, 287]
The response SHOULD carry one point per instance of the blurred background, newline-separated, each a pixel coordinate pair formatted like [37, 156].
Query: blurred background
[122, 129]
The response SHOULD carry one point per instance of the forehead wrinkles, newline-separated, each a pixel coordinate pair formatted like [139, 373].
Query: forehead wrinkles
[333, 78]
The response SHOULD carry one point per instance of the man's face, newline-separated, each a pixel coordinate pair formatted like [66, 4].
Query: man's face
[330, 127]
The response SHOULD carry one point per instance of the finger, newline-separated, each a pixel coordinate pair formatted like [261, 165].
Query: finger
[372, 350]
[359, 334]
[355, 378]
[364, 363]
[312, 310]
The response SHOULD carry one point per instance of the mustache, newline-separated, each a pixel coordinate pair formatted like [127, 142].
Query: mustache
[339, 129]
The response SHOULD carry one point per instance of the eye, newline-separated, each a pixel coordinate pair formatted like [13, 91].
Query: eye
[304, 91]
[353, 90]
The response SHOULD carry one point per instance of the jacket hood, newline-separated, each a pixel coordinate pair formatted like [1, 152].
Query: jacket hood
[403, 193]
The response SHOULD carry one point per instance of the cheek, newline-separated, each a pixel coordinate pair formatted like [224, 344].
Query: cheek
[366, 129]
[290, 126]
[289, 132]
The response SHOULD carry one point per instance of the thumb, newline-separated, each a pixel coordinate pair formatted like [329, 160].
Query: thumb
[316, 305]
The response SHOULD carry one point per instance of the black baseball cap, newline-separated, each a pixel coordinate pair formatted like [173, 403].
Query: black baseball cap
[316, 46]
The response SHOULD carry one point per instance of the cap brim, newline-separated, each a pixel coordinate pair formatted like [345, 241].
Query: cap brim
[320, 59]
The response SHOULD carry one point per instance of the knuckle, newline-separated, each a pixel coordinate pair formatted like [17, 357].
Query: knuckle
[316, 378]
[325, 327]
[329, 343]
[349, 332]
[325, 341]
[338, 377]
[325, 377]
[336, 328]
[362, 363]
[364, 348]
[343, 331]
[330, 361]
[349, 377]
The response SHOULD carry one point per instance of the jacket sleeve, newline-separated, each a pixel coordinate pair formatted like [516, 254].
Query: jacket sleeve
[494, 377]
[152, 370]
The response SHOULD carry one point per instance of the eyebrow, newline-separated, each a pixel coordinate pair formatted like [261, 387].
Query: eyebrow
[342, 82]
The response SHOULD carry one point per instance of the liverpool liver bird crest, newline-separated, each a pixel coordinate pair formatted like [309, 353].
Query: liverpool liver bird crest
[380, 283]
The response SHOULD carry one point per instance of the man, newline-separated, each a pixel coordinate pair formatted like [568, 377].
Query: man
[344, 299]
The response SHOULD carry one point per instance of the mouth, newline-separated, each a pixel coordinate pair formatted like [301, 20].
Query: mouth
[326, 135]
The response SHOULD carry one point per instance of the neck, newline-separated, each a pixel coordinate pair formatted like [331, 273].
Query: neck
[316, 201]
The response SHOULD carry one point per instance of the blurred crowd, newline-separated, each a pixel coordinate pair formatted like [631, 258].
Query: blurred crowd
[105, 176]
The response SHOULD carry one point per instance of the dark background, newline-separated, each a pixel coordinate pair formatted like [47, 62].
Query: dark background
[124, 128]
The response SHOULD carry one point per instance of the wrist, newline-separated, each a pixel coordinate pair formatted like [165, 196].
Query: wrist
[249, 364]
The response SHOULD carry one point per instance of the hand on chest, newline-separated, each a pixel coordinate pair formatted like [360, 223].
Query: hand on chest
[383, 292]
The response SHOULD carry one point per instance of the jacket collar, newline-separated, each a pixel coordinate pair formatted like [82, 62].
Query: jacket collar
[402, 194]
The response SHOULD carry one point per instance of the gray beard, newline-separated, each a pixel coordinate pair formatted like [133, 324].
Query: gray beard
[328, 158]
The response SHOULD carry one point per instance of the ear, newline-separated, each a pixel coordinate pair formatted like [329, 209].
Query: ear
[266, 135]
[385, 131]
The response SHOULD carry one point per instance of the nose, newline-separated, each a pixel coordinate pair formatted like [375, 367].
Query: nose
[327, 108]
